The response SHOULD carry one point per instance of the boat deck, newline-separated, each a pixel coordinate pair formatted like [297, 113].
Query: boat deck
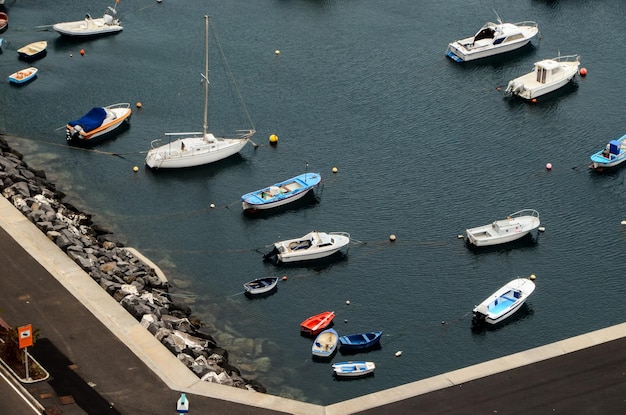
[501, 304]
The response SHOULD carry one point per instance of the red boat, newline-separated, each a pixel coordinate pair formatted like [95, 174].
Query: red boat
[317, 323]
[4, 21]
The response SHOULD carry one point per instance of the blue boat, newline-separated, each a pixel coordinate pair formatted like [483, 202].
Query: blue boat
[360, 341]
[281, 193]
[613, 154]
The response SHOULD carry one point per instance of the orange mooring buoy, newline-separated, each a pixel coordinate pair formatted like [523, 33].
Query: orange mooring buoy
[82, 52]
[583, 71]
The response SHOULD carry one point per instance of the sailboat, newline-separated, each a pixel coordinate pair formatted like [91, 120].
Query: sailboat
[199, 148]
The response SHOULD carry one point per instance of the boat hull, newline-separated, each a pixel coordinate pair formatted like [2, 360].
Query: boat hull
[194, 151]
[33, 51]
[106, 130]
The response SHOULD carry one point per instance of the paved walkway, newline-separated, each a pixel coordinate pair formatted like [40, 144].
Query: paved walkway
[116, 366]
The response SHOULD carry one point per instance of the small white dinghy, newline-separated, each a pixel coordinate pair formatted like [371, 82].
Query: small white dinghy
[503, 303]
[515, 226]
[313, 245]
[260, 285]
[353, 369]
[325, 343]
[547, 76]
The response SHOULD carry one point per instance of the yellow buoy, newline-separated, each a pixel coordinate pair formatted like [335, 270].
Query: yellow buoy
[135, 169]
[533, 277]
[277, 52]
[335, 170]
[273, 139]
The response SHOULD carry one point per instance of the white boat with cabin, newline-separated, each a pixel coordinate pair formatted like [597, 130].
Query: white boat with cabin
[547, 76]
[515, 226]
[493, 39]
[313, 245]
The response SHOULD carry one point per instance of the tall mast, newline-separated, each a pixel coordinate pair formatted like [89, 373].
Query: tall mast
[206, 76]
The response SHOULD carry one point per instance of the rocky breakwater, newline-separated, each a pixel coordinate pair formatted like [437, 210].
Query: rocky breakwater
[128, 279]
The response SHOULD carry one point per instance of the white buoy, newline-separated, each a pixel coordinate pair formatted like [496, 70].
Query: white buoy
[541, 229]
[347, 302]
[460, 236]
[399, 353]
[623, 222]
[392, 237]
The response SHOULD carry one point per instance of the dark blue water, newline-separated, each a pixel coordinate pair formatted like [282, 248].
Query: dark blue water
[424, 148]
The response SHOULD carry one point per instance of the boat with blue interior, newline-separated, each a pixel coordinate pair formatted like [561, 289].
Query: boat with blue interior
[504, 302]
[281, 193]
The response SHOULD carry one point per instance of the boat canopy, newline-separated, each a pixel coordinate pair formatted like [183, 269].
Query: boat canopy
[92, 120]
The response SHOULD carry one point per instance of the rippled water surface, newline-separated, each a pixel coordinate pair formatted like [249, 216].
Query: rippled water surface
[424, 148]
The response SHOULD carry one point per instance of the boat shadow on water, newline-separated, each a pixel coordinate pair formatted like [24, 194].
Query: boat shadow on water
[314, 264]
[264, 295]
[351, 352]
[524, 312]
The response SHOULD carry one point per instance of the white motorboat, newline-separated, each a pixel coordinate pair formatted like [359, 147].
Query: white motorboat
[198, 148]
[353, 369]
[515, 226]
[88, 27]
[313, 245]
[503, 303]
[492, 39]
[548, 75]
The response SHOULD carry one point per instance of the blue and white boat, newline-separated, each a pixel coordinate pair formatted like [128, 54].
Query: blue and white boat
[325, 343]
[23, 76]
[353, 369]
[504, 303]
[613, 154]
[360, 341]
[281, 193]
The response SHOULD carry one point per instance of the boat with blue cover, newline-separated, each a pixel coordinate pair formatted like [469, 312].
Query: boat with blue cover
[281, 193]
[504, 302]
[360, 341]
[97, 124]
[613, 154]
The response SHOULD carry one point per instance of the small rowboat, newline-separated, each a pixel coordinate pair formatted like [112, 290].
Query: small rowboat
[281, 193]
[33, 51]
[611, 156]
[325, 343]
[360, 341]
[23, 76]
[353, 369]
[260, 285]
[315, 324]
